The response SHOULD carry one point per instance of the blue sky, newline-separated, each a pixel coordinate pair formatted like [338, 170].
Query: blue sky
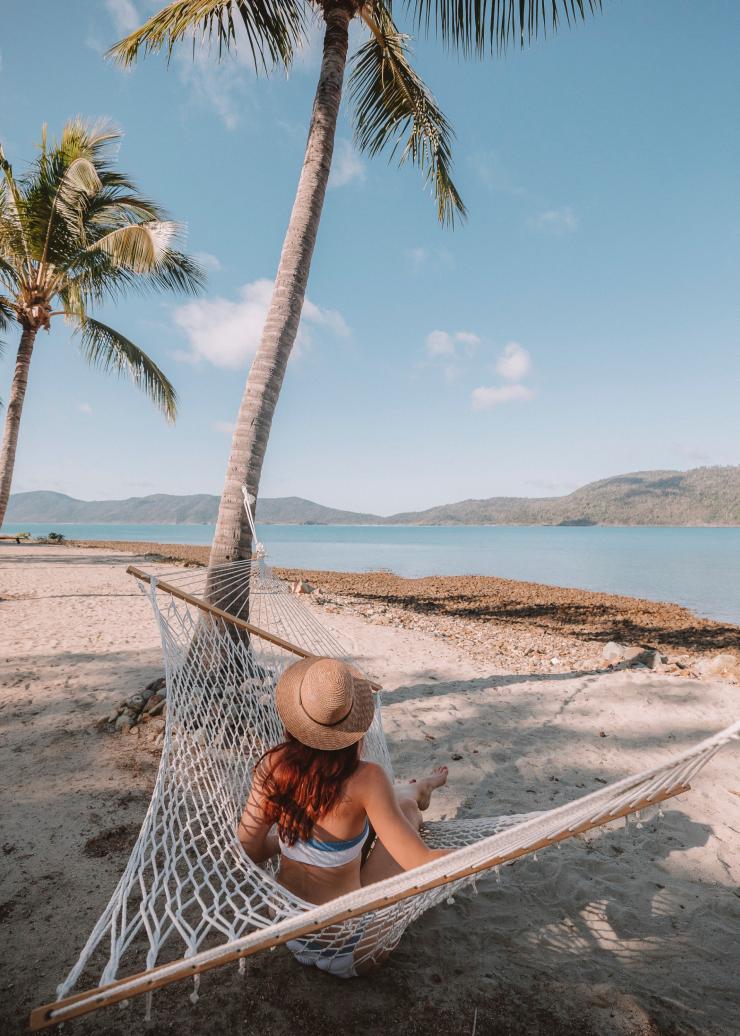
[583, 322]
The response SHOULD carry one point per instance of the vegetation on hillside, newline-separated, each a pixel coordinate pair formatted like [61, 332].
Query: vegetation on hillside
[702, 496]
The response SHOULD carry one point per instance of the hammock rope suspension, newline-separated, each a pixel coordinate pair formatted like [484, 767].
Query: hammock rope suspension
[189, 895]
[259, 548]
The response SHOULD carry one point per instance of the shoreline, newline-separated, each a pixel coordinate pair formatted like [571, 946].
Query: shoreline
[513, 624]
[406, 525]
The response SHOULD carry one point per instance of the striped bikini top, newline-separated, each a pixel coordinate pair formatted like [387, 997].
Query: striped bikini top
[325, 854]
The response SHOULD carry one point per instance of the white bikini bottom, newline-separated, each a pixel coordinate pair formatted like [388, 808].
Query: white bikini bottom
[336, 960]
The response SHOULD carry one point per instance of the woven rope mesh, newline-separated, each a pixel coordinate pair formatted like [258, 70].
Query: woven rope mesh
[189, 887]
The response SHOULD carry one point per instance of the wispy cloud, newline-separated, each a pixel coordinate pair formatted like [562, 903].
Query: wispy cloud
[550, 486]
[690, 453]
[555, 221]
[440, 343]
[227, 332]
[514, 363]
[493, 174]
[213, 83]
[124, 15]
[346, 165]
[224, 427]
[486, 397]
[208, 261]
[445, 343]
[84, 408]
[420, 258]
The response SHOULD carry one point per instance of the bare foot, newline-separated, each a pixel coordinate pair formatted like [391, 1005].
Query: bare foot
[426, 785]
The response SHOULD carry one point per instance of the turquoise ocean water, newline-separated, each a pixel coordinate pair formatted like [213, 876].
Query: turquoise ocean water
[699, 568]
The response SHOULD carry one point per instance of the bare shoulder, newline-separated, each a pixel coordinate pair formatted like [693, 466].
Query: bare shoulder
[370, 776]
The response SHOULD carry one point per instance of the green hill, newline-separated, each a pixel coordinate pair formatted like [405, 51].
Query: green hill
[161, 508]
[702, 496]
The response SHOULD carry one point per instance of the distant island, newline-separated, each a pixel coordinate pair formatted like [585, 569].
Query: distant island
[702, 496]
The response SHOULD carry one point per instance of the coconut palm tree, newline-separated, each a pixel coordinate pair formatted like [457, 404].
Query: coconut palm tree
[75, 232]
[393, 110]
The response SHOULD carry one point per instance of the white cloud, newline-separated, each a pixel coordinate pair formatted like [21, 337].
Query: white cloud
[225, 427]
[487, 397]
[346, 165]
[556, 221]
[467, 338]
[84, 408]
[227, 333]
[124, 15]
[208, 261]
[440, 343]
[443, 343]
[514, 363]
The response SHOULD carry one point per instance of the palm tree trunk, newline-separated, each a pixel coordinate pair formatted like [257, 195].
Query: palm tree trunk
[232, 539]
[13, 416]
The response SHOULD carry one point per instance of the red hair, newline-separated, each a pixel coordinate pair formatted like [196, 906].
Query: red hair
[302, 784]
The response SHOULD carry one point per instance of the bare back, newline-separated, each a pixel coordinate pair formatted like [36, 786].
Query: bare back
[367, 795]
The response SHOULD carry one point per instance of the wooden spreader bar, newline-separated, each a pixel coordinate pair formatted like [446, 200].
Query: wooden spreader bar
[211, 609]
[103, 996]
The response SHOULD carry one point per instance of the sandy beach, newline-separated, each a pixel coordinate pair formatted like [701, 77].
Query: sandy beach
[618, 932]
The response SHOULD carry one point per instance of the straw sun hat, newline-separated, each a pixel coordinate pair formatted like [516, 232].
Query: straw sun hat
[324, 703]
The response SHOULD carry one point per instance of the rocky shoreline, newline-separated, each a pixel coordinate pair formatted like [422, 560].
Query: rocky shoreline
[512, 625]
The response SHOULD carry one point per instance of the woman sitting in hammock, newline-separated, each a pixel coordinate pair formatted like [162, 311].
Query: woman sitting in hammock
[337, 821]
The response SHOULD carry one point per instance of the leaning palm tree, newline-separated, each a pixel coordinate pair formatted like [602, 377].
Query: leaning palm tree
[74, 232]
[393, 109]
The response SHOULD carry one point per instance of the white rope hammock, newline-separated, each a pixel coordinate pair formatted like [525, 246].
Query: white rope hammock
[189, 892]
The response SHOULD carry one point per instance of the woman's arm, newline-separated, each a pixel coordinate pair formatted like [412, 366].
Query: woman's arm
[255, 831]
[398, 836]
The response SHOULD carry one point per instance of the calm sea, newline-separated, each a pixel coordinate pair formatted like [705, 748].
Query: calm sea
[699, 568]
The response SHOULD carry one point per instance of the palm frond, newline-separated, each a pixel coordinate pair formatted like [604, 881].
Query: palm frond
[92, 140]
[8, 271]
[110, 351]
[115, 205]
[393, 107]
[138, 246]
[65, 178]
[14, 243]
[478, 26]
[7, 316]
[96, 278]
[78, 183]
[178, 272]
[272, 29]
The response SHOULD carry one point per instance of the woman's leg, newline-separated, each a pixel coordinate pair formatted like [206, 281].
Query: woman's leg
[412, 799]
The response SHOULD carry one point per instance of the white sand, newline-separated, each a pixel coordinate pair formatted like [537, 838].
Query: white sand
[610, 934]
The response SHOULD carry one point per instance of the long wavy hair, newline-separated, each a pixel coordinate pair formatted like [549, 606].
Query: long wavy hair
[302, 784]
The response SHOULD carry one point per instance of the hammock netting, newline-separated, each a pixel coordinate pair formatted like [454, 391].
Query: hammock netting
[190, 898]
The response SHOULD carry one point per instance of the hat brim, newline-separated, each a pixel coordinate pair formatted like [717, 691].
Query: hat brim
[316, 735]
